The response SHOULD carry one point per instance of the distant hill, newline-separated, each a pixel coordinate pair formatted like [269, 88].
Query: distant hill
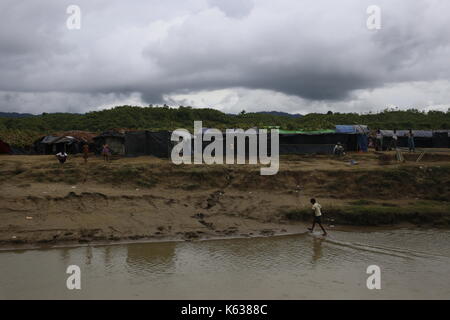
[22, 130]
[15, 115]
[281, 114]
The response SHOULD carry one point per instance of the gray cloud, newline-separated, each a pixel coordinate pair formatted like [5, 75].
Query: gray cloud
[234, 8]
[286, 55]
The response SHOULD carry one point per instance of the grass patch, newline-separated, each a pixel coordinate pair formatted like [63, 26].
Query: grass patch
[147, 183]
[189, 187]
[384, 204]
[361, 202]
[19, 169]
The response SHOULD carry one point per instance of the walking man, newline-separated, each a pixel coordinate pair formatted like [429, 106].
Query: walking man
[316, 207]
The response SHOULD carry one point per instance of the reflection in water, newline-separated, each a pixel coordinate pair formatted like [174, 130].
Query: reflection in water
[317, 249]
[65, 254]
[107, 255]
[142, 258]
[88, 255]
[414, 264]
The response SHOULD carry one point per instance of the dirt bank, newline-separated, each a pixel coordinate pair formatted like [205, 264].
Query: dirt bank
[148, 198]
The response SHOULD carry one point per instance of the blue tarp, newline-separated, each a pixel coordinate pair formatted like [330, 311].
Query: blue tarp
[345, 129]
[352, 129]
[363, 142]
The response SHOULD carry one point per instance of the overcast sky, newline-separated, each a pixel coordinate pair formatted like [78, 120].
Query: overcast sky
[295, 56]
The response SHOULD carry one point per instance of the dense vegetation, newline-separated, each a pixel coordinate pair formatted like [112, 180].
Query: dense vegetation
[19, 131]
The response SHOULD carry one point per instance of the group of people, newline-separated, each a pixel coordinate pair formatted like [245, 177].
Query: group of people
[378, 142]
[394, 142]
[106, 153]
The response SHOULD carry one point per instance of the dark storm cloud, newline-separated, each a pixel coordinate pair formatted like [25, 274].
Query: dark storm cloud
[149, 51]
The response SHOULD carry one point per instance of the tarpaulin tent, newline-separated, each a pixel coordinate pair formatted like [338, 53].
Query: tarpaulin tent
[140, 143]
[41, 146]
[114, 139]
[81, 138]
[352, 129]
[422, 138]
[363, 142]
[318, 141]
[361, 132]
[402, 133]
[5, 148]
[349, 129]
[55, 144]
[227, 143]
[441, 139]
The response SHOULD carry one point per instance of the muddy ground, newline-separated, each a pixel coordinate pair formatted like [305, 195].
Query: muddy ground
[146, 198]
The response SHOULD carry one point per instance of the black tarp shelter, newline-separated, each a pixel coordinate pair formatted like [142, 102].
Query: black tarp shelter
[114, 139]
[5, 148]
[353, 138]
[141, 143]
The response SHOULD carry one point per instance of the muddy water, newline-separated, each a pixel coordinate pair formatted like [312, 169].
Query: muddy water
[414, 264]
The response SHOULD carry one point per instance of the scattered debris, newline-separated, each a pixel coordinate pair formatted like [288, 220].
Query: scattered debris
[199, 216]
[399, 156]
[190, 235]
[213, 199]
[420, 156]
[267, 232]
[209, 225]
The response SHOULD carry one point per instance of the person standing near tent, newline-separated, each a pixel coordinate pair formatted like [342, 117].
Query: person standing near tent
[316, 207]
[338, 150]
[106, 152]
[411, 144]
[379, 141]
[85, 152]
[394, 140]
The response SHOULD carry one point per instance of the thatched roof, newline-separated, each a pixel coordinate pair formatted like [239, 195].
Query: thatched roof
[85, 136]
[110, 133]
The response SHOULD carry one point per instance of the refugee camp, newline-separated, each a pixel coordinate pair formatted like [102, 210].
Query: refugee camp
[239, 158]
